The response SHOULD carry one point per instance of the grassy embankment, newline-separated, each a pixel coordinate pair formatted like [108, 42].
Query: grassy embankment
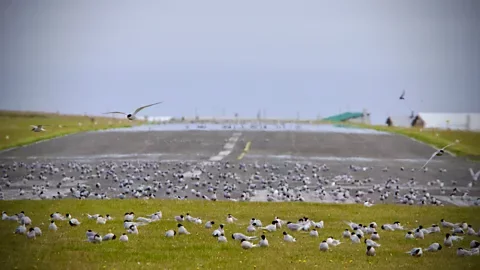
[67, 248]
[468, 147]
[15, 127]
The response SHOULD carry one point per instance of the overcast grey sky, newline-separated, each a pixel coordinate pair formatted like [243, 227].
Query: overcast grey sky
[315, 57]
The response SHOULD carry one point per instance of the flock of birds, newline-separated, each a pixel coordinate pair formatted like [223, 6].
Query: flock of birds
[213, 181]
[354, 233]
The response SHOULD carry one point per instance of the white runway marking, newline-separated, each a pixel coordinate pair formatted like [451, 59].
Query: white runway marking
[327, 158]
[228, 147]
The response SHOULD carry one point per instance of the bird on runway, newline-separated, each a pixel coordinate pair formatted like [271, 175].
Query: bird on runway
[439, 152]
[132, 116]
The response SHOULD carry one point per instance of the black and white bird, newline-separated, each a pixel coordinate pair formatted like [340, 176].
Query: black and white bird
[52, 226]
[170, 233]
[439, 152]
[240, 236]
[434, 247]
[123, 238]
[323, 246]
[370, 251]
[222, 238]
[109, 236]
[272, 227]
[263, 242]
[372, 243]
[31, 234]
[132, 116]
[182, 229]
[415, 252]
[288, 238]
[247, 245]
[461, 252]
[38, 128]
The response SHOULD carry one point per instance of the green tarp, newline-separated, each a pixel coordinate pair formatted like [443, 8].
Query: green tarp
[343, 117]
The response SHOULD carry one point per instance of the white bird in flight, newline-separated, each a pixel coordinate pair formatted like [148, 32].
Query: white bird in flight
[439, 152]
[38, 128]
[132, 116]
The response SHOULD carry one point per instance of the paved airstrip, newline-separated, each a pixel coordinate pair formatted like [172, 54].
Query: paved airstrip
[326, 156]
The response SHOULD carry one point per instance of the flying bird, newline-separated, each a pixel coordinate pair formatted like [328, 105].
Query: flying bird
[403, 95]
[439, 152]
[38, 128]
[132, 116]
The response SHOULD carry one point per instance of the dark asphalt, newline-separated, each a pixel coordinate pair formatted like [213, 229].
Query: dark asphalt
[337, 150]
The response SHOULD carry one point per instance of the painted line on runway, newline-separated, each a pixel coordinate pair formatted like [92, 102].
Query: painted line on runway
[332, 158]
[245, 150]
[227, 148]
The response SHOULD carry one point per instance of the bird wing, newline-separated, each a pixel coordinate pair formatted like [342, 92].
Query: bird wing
[403, 94]
[115, 112]
[433, 155]
[474, 175]
[143, 107]
[33, 126]
[449, 145]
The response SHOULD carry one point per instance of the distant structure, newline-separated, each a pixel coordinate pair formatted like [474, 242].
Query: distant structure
[156, 118]
[353, 117]
[458, 121]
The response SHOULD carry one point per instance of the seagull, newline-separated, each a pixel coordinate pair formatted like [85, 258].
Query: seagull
[38, 128]
[439, 152]
[132, 116]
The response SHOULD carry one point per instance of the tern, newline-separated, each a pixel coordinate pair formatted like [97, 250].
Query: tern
[132, 116]
[38, 128]
[439, 152]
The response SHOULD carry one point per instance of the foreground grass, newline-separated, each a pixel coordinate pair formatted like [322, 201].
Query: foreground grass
[15, 129]
[67, 248]
[469, 145]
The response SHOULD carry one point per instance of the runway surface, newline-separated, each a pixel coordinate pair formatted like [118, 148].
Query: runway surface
[310, 163]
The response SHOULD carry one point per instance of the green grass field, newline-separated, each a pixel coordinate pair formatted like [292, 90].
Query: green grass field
[16, 130]
[67, 248]
[468, 147]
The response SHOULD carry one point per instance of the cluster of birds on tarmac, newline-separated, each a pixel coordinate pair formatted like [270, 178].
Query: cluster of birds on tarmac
[355, 233]
[290, 181]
